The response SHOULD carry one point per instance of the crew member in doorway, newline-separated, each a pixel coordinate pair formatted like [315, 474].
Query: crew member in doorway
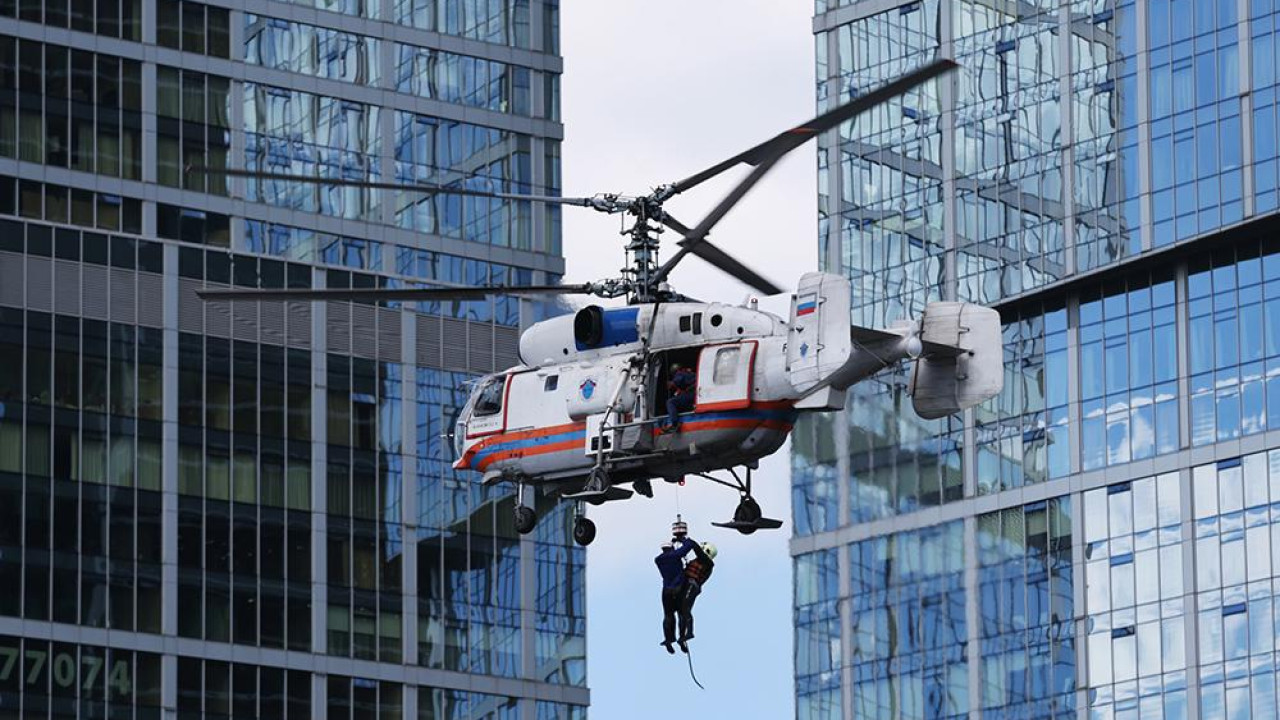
[670, 564]
[696, 574]
[680, 388]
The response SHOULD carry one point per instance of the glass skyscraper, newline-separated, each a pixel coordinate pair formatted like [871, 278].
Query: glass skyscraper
[246, 510]
[1101, 540]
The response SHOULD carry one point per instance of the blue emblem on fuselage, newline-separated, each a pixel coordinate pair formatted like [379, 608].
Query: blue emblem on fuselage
[804, 349]
[587, 388]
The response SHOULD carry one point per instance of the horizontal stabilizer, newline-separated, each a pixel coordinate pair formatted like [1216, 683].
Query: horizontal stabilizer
[938, 350]
[867, 336]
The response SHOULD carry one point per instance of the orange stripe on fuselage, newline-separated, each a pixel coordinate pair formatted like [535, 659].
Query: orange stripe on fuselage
[526, 435]
[527, 451]
[735, 424]
[692, 424]
[465, 461]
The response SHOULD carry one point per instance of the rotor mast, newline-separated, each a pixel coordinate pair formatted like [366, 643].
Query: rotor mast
[642, 250]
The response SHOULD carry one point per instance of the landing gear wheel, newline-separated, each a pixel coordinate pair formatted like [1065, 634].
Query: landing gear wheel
[747, 517]
[748, 511]
[525, 519]
[584, 531]
[597, 482]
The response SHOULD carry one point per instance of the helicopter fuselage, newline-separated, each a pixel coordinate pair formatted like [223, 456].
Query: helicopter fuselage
[588, 409]
[542, 420]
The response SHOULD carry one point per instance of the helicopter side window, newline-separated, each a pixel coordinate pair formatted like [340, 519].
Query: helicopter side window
[489, 400]
[691, 323]
[459, 425]
[726, 366]
[551, 383]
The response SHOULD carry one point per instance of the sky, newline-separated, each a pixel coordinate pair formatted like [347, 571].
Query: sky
[654, 91]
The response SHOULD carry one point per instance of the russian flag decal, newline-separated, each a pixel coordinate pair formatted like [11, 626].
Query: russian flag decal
[806, 304]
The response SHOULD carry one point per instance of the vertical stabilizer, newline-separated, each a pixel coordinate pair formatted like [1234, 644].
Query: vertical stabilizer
[946, 383]
[818, 342]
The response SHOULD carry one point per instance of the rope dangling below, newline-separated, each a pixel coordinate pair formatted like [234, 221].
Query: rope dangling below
[689, 656]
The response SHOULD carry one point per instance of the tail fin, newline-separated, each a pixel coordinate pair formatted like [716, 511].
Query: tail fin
[818, 342]
[944, 383]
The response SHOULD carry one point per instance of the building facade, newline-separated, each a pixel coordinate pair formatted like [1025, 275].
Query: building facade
[227, 510]
[1102, 539]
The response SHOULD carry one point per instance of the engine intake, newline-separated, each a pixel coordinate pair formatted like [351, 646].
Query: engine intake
[588, 327]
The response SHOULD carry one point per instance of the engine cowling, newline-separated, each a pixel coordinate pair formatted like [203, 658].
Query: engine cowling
[591, 329]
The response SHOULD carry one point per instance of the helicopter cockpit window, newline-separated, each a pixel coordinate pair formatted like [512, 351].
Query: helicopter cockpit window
[726, 367]
[459, 430]
[489, 399]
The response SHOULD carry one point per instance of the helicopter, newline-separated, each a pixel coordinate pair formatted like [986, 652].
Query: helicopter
[585, 413]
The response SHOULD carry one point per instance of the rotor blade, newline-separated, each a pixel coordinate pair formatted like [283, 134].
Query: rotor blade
[727, 263]
[794, 137]
[767, 154]
[372, 294]
[405, 187]
[720, 258]
[698, 235]
[675, 224]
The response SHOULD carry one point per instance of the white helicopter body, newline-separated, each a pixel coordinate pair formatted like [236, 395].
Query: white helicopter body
[539, 428]
[586, 412]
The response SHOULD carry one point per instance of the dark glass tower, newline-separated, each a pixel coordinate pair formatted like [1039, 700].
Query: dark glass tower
[246, 510]
[1102, 539]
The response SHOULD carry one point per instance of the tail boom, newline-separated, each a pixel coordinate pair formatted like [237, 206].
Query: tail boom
[956, 347]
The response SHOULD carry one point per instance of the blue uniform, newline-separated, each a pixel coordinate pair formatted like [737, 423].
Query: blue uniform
[680, 395]
[670, 563]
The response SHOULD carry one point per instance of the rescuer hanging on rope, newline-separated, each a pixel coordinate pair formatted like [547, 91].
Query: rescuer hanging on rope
[671, 566]
[696, 574]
